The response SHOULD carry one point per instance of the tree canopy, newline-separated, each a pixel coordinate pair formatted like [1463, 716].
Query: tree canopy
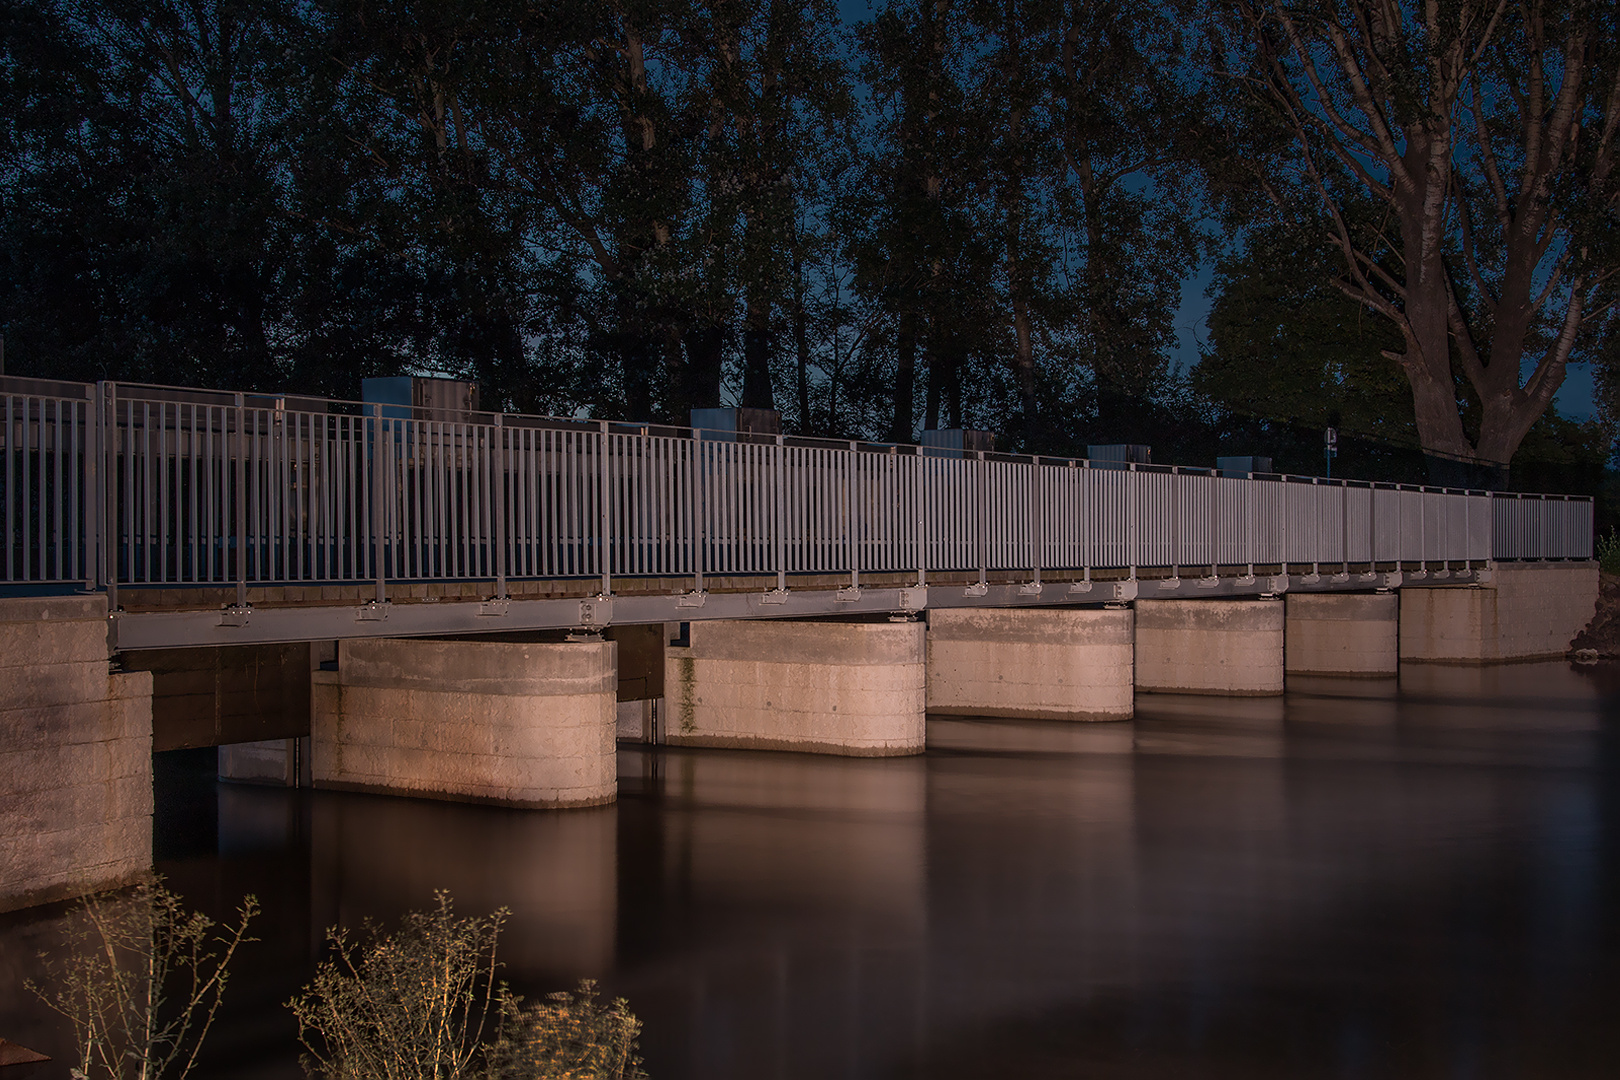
[954, 213]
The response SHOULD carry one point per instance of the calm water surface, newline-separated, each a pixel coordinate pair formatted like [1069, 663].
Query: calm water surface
[1363, 879]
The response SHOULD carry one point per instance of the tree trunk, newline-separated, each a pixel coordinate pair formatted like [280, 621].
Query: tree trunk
[801, 347]
[705, 357]
[932, 362]
[757, 348]
[905, 380]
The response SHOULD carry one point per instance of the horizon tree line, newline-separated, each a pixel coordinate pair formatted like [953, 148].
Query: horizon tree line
[956, 213]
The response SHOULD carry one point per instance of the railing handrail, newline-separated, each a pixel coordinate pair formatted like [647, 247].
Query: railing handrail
[144, 484]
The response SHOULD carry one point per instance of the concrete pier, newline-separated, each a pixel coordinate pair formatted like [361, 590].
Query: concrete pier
[856, 689]
[1226, 647]
[1342, 634]
[75, 755]
[1525, 611]
[1036, 664]
[526, 724]
[276, 762]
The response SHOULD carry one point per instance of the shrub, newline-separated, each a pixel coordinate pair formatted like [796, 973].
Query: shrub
[412, 1006]
[572, 1037]
[424, 1004]
[1608, 552]
[142, 981]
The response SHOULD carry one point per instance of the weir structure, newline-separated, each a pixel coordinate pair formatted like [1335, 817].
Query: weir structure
[460, 596]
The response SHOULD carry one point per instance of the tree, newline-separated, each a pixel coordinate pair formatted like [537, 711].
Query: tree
[1129, 111]
[142, 982]
[1483, 135]
[1284, 345]
[146, 161]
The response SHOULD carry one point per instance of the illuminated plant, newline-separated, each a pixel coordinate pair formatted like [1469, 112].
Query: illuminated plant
[142, 982]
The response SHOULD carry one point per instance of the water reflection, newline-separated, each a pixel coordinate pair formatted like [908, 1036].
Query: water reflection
[1366, 878]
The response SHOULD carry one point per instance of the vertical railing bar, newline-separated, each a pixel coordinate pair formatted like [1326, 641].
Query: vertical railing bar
[779, 518]
[604, 509]
[374, 467]
[498, 475]
[699, 529]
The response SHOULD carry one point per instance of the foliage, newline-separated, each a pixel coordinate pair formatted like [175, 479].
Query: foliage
[571, 1037]
[951, 213]
[1460, 159]
[142, 982]
[1608, 551]
[408, 1006]
[424, 1003]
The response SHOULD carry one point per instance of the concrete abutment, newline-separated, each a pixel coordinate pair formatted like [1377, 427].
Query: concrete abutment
[1525, 611]
[1031, 663]
[76, 755]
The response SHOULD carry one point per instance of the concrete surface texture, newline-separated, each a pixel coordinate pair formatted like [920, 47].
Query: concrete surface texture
[277, 762]
[1342, 633]
[75, 758]
[1526, 611]
[1224, 647]
[855, 689]
[1036, 664]
[515, 724]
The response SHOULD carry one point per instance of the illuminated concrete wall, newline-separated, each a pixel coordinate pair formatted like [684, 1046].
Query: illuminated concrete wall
[1226, 647]
[1342, 633]
[75, 755]
[1031, 663]
[848, 688]
[517, 724]
[1524, 612]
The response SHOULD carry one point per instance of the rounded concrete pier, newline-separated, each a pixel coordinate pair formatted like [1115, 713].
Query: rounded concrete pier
[1226, 647]
[1031, 663]
[854, 689]
[1343, 634]
[512, 723]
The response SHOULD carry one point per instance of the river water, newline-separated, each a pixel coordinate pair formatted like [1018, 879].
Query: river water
[1412, 878]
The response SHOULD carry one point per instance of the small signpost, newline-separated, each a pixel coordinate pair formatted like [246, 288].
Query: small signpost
[1331, 450]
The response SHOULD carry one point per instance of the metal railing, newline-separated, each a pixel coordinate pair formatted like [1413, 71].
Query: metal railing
[138, 486]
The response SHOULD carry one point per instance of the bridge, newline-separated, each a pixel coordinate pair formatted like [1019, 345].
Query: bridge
[454, 604]
[213, 518]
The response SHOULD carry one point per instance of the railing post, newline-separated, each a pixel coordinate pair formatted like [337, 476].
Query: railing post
[978, 519]
[95, 500]
[1037, 519]
[1248, 524]
[1423, 530]
[604, 518]
[1316, 528]
[241, 502]
[699, 484]
[1283, 489]
[1175, 522]
[922, 521]
[849, 496]
[1130, 515]
[780, 517]
[1344, 526]
[498, 474]
[378, 466]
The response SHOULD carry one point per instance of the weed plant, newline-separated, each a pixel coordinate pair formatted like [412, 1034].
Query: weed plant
[424, 1003]
[1608, 552]
[141, 982]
